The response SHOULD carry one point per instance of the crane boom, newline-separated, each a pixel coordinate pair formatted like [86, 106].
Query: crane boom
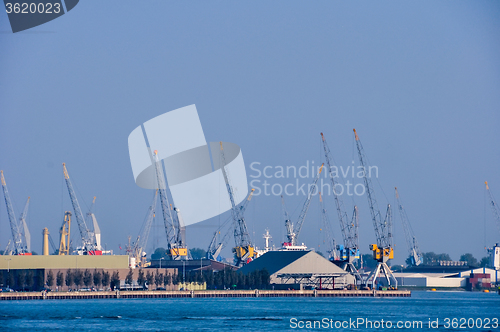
[88, 241]
[494, 206]
[176, 245]
[411, 241]
[305, 207]
[14, 227]
[328, 230]
[383, 250]
[350, 250]
[243, 245]
[142, 238]
[25, 231]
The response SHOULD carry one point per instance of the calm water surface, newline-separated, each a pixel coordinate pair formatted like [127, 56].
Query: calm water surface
[247, 314]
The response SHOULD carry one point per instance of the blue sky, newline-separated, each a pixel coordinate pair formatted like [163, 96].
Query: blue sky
[419, 81]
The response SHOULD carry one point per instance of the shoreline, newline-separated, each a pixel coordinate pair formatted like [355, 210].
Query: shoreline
[17, 296]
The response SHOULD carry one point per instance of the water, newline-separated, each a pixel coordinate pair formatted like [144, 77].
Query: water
[246, 314]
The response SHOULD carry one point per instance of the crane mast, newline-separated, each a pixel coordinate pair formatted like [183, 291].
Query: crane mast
[17, 234]
[383, 250]
[293, 231]
[174, 230]
[350, 250]
[24, 227]
[243, 249]
[65, 231]
[493, 204]
[88, 240]
[334, 256]
[214, 249]
[414, 252]
[142, 239]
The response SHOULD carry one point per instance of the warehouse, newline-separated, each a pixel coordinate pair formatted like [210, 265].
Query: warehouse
[299, 270]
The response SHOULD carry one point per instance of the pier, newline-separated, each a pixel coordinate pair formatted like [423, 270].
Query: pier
[17, 296]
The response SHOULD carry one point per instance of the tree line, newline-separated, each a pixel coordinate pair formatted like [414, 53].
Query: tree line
[225, 279]
[78, 278]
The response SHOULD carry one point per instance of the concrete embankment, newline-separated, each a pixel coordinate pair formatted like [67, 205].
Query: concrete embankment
[200, 294]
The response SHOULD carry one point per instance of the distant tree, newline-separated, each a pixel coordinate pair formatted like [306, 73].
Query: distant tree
[129, 279]
[78, 278]
[443, 257]
[87, 278]
[485, 261]
[30, 279]
[50, 279]
[470, 259]
[105, 279]
[115, 280]
[60, 279]
[21, 279]
[69, 278]
[158, 278]
[198, 253]
[149, 279]
[1, 277]
[368, 261]
[159, 253]
[11, 280]
[40, 279]
[140, 278]
[97, 278]
[167, 280]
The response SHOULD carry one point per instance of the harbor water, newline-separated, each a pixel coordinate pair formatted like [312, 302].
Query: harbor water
[437, 311]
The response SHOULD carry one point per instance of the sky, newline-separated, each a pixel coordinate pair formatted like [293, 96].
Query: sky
[419, 81]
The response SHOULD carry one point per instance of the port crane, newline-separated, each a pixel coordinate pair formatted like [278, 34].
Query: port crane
[174, 226]
[65, 231]
[493, 204]
[137, 250]
[383, 250]
[293, 231]
[333, 254]
[495, 251]
[415, 255]
[89, 244]
[215, 248]
[243, 250]
[349, 250]
[20, 232]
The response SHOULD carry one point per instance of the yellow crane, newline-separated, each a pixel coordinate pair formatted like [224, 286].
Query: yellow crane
[65, 232]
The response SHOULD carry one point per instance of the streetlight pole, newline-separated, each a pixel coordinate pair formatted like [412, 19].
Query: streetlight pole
[184, 273]
[201, 266]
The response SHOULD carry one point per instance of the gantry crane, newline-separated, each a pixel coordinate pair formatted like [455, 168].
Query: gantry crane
[65, 231]
[383, 250]
[293, 230]
[215, 247]
[243, 250]
[415, 255]
[332, 244]
[18, 230]
[137, 251]
[349, 250]
[174, 227]
[89, 244]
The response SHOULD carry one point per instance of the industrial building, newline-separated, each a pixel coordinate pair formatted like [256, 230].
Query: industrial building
[450, 278]
[299, 270]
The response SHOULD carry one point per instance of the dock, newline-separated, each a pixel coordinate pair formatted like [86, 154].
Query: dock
[17, 296]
